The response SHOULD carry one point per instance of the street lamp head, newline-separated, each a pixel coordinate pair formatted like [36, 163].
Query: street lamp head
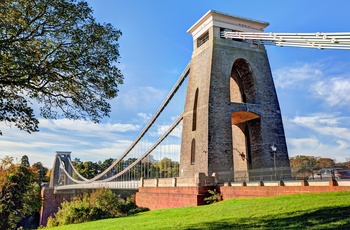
[273, 148]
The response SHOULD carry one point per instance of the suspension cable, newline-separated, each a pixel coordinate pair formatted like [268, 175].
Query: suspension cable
[150, 122]
[69, 176]
[170, 129]
[303, 40]
[76, 171]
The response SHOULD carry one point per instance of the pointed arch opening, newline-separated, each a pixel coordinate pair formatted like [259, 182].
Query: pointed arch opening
[193, 151]
[242, 88]
[194, 118]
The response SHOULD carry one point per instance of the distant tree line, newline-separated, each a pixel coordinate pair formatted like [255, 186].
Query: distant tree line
[147, 168]
[303, 166]
[150, 168]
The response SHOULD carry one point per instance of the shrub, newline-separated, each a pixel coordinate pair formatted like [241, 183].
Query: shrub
[213, 197]
[100, 204]
[106, 201]
[128, 207]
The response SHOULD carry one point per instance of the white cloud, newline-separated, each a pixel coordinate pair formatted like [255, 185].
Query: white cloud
[320, 79]
[86, 140]
[95, 141]
[297, 76]
[102, 151]
[305, 144]
[41, 148]
[314, 121]
[324, 132]
[324, 135]
[312, 146]
[145, 117]
[324, 124]
[335, 92]
[35, 149]
[161, 129]
[86, 126]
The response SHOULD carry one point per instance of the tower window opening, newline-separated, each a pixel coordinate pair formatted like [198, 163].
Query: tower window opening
[202, 39]
[194, 118]
[193, 151]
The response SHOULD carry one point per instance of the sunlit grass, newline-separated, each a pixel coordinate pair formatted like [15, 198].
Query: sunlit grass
[304, 211]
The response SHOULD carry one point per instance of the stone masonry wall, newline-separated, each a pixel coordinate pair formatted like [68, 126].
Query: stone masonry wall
[51, 203]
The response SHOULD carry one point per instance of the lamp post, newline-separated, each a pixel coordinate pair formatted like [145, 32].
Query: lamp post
[274, 149]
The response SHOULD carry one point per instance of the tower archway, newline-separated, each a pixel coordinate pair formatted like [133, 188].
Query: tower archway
[242, 82]
[245, 124]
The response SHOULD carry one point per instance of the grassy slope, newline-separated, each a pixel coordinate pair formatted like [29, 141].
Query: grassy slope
[311, 211]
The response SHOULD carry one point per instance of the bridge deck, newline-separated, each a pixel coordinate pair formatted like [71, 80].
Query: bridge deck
[132, 185]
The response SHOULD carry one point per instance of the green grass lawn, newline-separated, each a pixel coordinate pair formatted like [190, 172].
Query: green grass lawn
[305, 211]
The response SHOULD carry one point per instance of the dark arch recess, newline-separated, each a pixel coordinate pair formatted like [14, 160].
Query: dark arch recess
[241, 73]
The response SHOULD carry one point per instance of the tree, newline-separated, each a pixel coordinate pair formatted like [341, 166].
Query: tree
[104, 165]
[25, 161]
[167, 167]
[42, 171]
[302, 166]
[345, 164]
[325, 163]
[54, 53]
[76, 160]
[6, 162]
[19, 195]
[88, 169]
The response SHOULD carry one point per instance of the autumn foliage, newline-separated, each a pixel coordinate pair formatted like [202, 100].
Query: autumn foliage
[19, 194]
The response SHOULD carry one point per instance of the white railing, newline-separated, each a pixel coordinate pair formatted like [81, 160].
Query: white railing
[132, 185]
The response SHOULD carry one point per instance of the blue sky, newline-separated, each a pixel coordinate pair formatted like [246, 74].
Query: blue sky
[312, 85]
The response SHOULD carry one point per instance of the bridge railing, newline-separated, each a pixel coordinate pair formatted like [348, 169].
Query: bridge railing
[149, 168]
[308, 173]
[266, 176]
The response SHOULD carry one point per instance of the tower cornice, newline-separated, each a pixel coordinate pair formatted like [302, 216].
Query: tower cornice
[226, 21]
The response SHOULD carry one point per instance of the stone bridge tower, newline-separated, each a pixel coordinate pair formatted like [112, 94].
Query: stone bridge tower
[58, 177]
[232, 115]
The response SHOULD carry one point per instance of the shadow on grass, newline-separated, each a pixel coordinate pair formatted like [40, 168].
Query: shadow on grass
[327, 218]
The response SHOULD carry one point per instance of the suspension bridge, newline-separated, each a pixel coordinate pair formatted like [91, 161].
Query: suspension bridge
[228, 129]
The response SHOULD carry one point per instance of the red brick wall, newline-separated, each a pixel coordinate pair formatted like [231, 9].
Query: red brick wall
[173, 197]
[170, 197]
[262, 191]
